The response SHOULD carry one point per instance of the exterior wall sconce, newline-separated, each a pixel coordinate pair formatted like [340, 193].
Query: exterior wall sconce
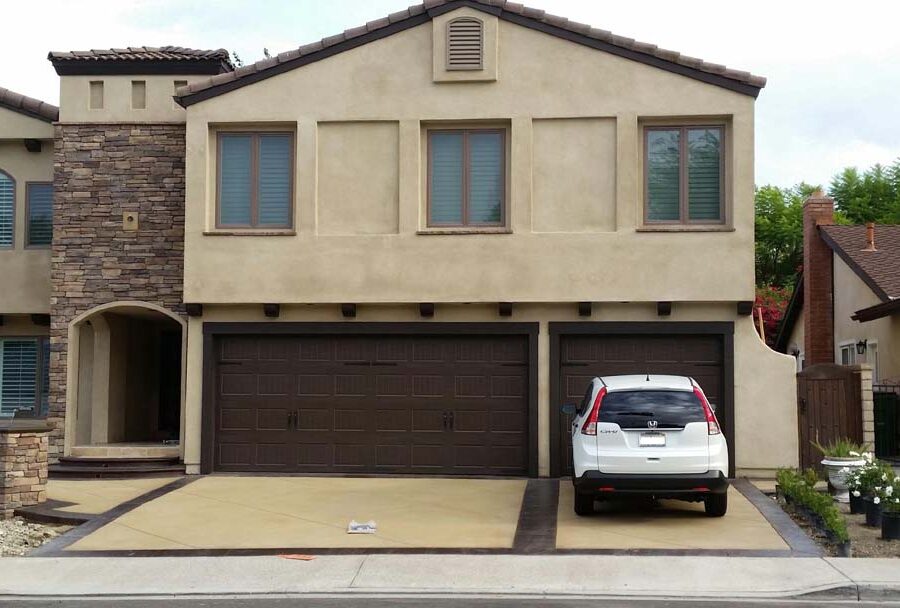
[861, 347]
[795, 352]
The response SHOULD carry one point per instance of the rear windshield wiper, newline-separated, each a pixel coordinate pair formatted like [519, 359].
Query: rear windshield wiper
[632, 413]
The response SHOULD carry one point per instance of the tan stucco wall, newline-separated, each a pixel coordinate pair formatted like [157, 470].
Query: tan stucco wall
[852, 294]
[25, 272]
[765, 389]
[74, 95]
[593, 254]
[15, 125]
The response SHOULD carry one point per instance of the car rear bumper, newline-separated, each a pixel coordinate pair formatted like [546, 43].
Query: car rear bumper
[697, 484]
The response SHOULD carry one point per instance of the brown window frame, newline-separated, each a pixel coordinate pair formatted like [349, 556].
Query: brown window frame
[15, 188]
[28, 243]
[465, 183]
[683, 186]
[254, 180]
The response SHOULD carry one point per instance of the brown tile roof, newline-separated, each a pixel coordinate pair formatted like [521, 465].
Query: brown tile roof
[141, 53]
[879, 269]
[739, 80]
[28, 106]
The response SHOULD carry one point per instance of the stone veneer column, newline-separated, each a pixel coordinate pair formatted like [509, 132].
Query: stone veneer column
[868, 405]
[23, 465]
[101, 172]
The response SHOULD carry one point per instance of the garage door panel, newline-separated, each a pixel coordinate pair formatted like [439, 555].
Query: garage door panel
[373, 403]
[582, 357]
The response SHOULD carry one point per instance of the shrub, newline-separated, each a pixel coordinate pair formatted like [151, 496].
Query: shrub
[863, 480]
[887, 492]
[841, 448]
[796, 488]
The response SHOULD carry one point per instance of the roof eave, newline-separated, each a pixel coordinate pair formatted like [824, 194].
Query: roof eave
[744, 88]
[791, 313]
[879, 311]
[862, 274]
[127, 67]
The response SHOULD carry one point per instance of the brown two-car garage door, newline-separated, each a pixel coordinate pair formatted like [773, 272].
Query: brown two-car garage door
[588, 350]
[420, 404]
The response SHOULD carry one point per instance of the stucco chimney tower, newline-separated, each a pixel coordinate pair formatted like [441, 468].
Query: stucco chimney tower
[818, 281]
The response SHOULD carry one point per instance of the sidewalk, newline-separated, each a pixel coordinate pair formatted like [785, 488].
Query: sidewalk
[482, 575]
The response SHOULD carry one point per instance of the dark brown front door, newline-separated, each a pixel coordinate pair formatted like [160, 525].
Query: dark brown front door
[582, 357]
[372, 404]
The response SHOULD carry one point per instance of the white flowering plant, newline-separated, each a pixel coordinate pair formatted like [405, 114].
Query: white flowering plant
[863, 480]
[888, 493]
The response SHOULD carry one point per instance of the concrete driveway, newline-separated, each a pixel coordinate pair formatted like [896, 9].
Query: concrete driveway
[223, 513]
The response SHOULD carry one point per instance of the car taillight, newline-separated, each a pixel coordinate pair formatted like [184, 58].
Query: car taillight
[590, 426]
[711, 422]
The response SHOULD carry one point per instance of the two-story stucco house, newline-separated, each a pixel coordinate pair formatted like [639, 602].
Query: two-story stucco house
[401, 248]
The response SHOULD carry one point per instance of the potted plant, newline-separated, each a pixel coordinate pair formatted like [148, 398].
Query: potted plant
[841, 457]
[889, 501]
[861, 482]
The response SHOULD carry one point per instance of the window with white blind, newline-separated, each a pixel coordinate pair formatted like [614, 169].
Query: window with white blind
[466, 177]
[684, 175]
[848, 354]
[39, 206]
[255, 180]
[24, 375]
[7, 209]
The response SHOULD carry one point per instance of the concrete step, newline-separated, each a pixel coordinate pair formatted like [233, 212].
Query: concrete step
[93, 468]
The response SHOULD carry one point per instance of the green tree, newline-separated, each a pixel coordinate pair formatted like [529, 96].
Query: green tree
[779, 233]
[871, 196]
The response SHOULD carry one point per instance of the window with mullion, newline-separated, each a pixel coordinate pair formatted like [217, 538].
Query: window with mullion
[684, 175]
[255, 180]
[466, 178]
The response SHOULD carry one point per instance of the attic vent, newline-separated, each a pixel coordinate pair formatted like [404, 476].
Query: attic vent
[465, 41]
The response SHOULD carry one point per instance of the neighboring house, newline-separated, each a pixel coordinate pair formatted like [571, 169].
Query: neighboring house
[401, 248]
[846, 307]
[26, 196]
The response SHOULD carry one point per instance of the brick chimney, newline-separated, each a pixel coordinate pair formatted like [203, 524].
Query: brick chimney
[818, 281]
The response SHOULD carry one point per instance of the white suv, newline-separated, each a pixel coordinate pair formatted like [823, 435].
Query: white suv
[651, 435]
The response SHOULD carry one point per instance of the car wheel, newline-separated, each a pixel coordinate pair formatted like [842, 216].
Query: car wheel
[716, 504]
[584, 504]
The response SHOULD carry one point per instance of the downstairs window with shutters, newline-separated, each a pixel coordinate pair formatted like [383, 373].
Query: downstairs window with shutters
[24, 376]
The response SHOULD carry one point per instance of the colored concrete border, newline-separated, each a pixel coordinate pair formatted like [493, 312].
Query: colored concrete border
[56, 547]
[801, 545]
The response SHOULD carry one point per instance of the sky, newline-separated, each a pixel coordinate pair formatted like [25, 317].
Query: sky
[831, 101]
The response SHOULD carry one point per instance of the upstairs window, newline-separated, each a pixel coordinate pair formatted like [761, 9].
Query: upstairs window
[7, 209]
[684, 173]
[465, 44]
[255, 180]
[39, 214]
[466, 178]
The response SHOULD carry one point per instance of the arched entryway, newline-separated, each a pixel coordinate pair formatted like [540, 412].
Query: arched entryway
[126, 382]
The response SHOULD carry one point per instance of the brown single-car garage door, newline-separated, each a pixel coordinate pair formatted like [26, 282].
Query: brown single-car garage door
[436, 404]
[584, 356]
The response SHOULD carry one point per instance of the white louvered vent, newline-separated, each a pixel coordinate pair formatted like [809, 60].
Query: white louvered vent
[465, 41]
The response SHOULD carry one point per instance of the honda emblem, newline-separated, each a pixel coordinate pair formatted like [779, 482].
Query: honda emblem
[652, 424]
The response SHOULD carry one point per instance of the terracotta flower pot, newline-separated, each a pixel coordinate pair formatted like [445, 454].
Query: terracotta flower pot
[890, 525]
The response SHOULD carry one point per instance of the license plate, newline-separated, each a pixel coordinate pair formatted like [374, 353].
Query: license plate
[652, 440]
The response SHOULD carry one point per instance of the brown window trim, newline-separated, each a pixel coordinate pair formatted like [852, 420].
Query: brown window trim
[15, 189]
[28, 244]
[254, 180]
[465, 185]
[683, 211]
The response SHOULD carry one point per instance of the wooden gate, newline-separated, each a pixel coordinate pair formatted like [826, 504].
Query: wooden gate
[829, 403]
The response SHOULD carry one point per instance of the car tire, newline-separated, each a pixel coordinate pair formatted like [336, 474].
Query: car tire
[584, 504]
[716, 504]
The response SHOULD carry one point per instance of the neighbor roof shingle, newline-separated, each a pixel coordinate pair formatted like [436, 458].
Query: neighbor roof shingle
[513, 11]
[879, 269]
[28, 105]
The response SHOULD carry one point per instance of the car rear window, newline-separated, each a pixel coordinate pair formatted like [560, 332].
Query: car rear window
[634, 409]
